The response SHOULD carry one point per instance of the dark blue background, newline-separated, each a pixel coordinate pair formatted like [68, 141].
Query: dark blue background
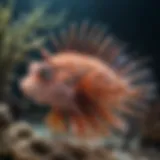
[134, 21]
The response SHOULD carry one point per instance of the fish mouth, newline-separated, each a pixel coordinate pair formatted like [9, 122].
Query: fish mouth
[27, 90]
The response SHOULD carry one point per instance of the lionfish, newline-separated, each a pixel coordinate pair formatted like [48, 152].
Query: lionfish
[88, 83]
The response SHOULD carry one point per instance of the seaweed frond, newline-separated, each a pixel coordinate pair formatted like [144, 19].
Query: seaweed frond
[17, 37]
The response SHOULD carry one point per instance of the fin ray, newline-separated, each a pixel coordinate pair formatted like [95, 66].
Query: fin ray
[132, 65]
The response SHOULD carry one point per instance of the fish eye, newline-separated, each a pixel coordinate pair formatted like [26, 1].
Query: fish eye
[45, 73]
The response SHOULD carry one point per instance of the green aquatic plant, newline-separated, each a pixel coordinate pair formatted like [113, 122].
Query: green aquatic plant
[17, 38]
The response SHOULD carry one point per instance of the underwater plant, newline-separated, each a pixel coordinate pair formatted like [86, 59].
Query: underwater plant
[89, 83]
[17, 38]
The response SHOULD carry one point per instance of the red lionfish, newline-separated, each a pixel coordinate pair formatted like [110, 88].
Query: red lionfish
[85, 82]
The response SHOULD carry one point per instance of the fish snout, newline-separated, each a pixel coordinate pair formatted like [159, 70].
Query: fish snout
[26, 86]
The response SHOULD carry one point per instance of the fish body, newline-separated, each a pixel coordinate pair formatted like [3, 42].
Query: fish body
[86, 82]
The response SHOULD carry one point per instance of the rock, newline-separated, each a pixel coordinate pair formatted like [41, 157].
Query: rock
[36, 148]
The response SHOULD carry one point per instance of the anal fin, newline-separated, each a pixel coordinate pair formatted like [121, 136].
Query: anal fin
[55, 122]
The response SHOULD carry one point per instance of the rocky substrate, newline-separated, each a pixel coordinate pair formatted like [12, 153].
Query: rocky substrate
[19, 141]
